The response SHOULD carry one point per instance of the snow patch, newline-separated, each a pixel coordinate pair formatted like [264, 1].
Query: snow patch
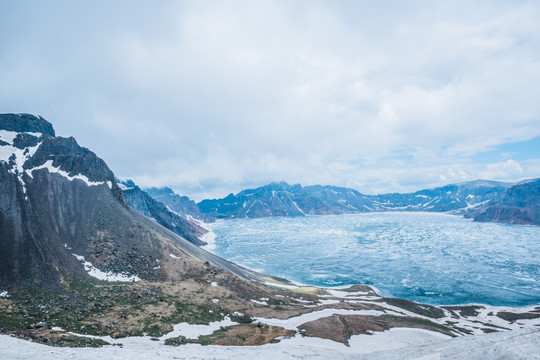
[210, 239]
[9, 136]
[259, 302]
[295, 204]
[20, 156]
[49, 166]
[102, 275]
[174, 256]
[213, 283]
[124, 187]
[294, 322]
[4, 294]
[395, 338]
[406, 344]
[191, 331]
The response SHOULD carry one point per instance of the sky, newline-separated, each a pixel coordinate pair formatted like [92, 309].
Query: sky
[212, 97]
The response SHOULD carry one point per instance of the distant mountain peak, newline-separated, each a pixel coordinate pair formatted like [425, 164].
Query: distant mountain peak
[125, 184]
[26, 123]
[160, 190]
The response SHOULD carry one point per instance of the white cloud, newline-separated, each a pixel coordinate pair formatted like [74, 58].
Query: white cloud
[509, 169]
[210, 96]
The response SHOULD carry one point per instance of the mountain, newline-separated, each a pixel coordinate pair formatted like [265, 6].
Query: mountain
[461, 198]
[282, 199]
[62, 214]
[80, 267]
[520, 204]
[149, 207]
[275, 199]
[182, 205]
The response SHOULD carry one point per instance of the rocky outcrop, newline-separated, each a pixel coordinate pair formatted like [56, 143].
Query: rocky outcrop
[519, 205]
[63, 215]
[182, 205]
[149, 207]
[26, 123]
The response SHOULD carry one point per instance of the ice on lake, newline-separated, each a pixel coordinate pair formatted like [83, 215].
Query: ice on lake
[427, 257]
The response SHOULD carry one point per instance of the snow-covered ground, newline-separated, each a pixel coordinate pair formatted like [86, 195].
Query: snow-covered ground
[394, 344]
[397, 343]
[105, 275]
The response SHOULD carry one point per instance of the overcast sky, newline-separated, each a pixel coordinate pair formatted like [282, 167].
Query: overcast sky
[211, 97]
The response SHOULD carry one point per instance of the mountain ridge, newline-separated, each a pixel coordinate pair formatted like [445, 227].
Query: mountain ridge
[519, 205]
[282, 199]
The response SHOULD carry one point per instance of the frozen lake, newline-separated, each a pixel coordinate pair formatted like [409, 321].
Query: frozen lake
[426, 257]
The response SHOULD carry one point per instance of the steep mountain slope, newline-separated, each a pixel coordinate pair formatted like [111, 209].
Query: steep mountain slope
[149, 207]
[519, 205]
[62, 214]
[182, 205]
[282, 199]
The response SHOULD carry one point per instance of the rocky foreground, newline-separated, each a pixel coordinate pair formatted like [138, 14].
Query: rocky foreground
[188, 318]
[219, 309]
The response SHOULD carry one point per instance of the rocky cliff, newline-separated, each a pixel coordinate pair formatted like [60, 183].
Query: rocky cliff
[182, 205]
[520, 204]
[159, 212]
[62, 214]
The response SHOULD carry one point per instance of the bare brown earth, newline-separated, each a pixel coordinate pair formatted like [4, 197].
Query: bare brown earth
[246, 335]
[341, 327]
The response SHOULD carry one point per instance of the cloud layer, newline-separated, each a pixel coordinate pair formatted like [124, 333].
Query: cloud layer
[210, 97]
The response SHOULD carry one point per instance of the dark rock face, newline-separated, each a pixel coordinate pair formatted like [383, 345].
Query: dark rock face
[58, 200]
[181, 205]
[519, 205]
[149, 207]
[26, 123]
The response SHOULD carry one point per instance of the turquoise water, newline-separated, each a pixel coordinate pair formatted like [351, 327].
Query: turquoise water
[426, 257]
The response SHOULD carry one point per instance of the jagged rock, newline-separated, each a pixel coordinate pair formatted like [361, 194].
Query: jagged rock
[153, 209]
[519, 205]
[181, 205]
[40, 325]
[62, 213]
[26, 123]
